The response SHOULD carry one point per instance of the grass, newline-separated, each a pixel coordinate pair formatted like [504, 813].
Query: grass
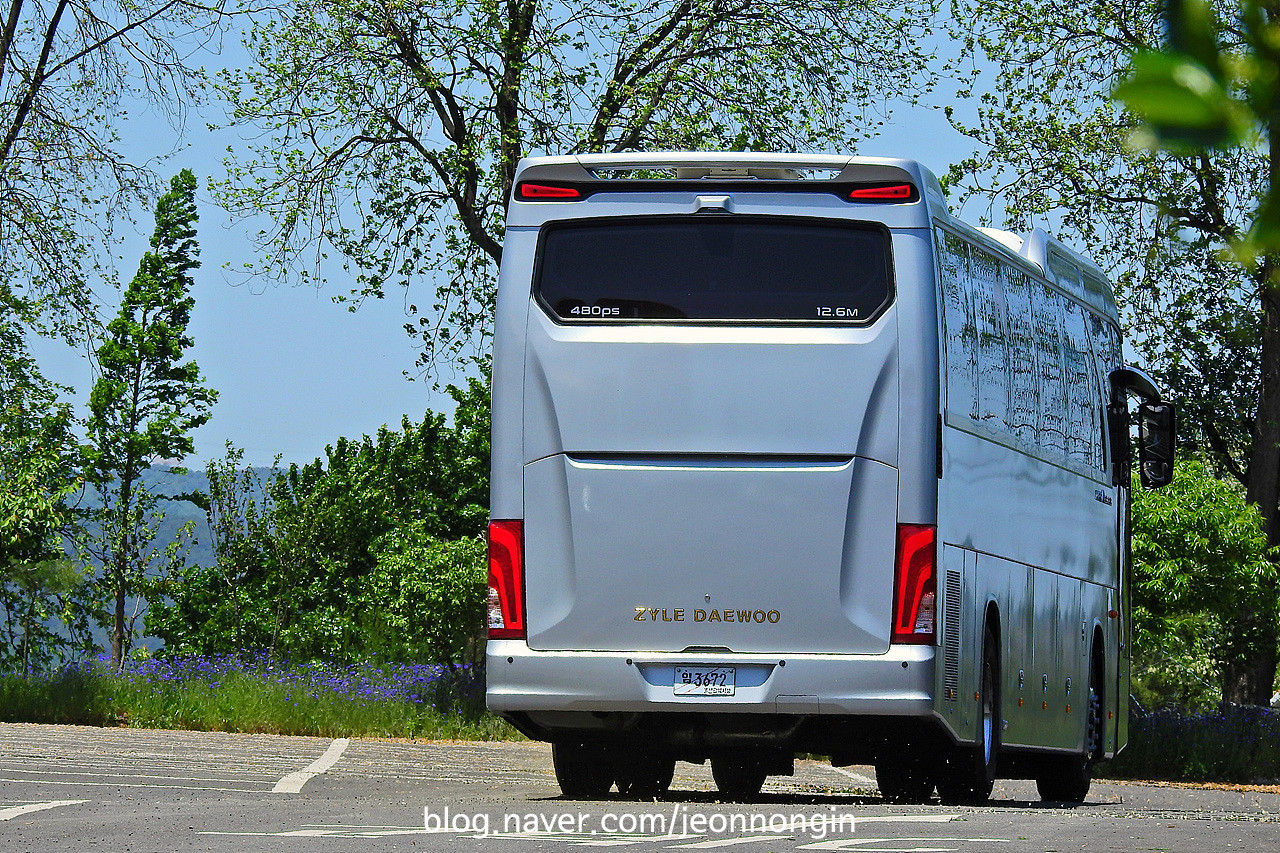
[1235, 743]
[1238, 744]
[235, 695]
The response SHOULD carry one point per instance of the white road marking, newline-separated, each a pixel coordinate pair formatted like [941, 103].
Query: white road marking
[909, 818]
[594, 838]
[44, 774]
[129, 785]
[292, 784]
[860, 844]
[15, 811]
[858, 778]
[730, 842]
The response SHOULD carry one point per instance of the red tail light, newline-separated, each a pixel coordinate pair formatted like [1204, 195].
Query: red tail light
[915, 585]
[547, 192]
[506, 580]
[886, 192]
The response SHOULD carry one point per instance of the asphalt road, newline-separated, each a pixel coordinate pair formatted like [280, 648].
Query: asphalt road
[66, 788]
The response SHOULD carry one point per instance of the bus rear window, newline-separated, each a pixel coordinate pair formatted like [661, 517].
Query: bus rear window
[709, 268]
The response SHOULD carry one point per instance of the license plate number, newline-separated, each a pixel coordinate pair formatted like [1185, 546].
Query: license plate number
[704, 680]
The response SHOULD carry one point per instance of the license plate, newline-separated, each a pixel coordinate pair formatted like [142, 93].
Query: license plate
[704, 680]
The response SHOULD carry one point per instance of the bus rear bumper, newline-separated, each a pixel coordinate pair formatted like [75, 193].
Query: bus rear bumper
[897, 683]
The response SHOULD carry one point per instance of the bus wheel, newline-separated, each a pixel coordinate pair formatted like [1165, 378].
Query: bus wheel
[970, 771]
[644, 777]
[904, 780]
[1066, 779]
[738, 778]
[584, 771]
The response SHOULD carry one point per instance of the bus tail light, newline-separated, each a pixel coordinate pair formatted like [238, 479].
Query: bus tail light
[915, 585]
[506, 580]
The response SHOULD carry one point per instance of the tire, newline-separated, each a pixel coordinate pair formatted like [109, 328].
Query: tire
[738, 778]
[1066, 779]
[970, 771]
[904, 780]
[644, 777]
[584, 771]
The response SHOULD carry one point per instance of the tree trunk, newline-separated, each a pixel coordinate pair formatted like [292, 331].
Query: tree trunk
[117, 631]
[1248, 678]
[121, 561]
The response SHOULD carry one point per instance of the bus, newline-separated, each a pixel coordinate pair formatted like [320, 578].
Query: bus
[786, 458]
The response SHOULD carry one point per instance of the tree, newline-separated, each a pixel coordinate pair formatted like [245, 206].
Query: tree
[324, 561]
[393, 129]
[238, 603]
[1055, 148]
[146, 401]
[39, 471]
[1199, 558]
[66, 69]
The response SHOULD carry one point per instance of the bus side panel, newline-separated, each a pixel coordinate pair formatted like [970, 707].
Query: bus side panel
[1123, 632]
[918, 366]
[506, 492]
[1047, 518]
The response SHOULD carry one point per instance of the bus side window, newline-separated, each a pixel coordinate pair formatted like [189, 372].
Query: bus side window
[961, 327]
[993, 356]
[1082, 391]
[1052, 435]
[1024, 387]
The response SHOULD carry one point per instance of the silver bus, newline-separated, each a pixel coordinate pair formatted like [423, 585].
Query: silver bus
[787, 459]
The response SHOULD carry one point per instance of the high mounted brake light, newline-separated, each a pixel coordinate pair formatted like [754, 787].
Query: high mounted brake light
[547, 192]
[506, 580]
[915, 585]
[886, 192]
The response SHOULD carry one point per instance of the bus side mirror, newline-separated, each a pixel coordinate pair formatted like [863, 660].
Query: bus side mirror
[1156, 440]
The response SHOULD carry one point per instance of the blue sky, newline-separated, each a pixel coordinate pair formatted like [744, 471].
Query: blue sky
[293, 370]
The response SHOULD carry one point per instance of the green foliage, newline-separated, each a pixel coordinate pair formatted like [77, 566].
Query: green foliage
[1199, 558]
[234, 604]
[1211, 86]
[69, 696]
[66, 72]
[427, 108]
[39, 472]
[425, 598]
[233, 702]
[1235, 743]
[305, 560]
[144, 405]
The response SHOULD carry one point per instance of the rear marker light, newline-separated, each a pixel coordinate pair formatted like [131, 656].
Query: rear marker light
[914, 585]
[892, 192]
[547, 192]
[506, 580]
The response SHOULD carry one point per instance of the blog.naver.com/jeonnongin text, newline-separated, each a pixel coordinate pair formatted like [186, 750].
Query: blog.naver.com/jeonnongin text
[679, 821]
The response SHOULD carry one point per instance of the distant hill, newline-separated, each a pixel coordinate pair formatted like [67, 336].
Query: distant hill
[164, 480]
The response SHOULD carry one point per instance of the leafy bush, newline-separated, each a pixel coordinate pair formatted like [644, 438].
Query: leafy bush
[425, 599]
[323, 561]
[1235, 743]
[227, 693]
[1200, 568]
